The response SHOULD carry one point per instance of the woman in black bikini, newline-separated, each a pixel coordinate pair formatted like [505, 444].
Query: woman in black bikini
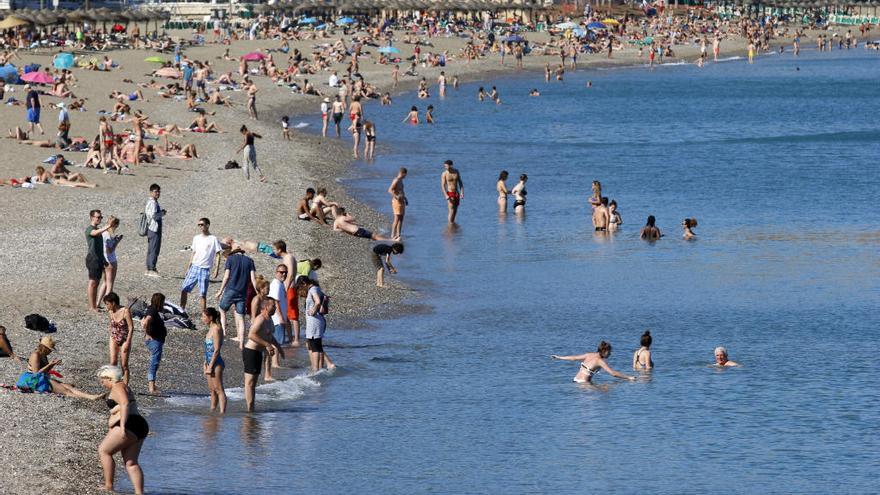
[592, 362]
[127, 430]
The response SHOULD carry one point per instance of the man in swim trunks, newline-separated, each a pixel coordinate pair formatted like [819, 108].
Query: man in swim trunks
[304, 209]
[452, 187]
[398, 203]
[343, 222]
[259, 338]
[601, 215]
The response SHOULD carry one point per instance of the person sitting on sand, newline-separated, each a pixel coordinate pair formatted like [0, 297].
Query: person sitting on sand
[201, 124]
[343, 222]
[303, 209]
[218, 99]
[6, 346]
[721, 358]
[592, 362]
[37, 377]
[321, 207]
[60, 170]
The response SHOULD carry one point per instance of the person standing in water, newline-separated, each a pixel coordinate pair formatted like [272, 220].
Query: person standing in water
[398, 203]
[259, 338]
[503, 192]
[592, 362]
[601, 217]
[642, 359]
[214, 364]
[687, 226]
[650, 232]
[614, 220]
[452, 187]
[127, 430]
[413, 116]
[519, 195]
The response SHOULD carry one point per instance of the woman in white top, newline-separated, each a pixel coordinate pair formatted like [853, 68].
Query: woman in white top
[111, 242]
[519, 194]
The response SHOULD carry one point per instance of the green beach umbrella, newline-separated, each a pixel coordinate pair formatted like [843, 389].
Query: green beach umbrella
[155, 60]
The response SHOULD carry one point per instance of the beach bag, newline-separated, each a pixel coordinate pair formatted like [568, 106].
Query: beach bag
[232, 164]
[38, 323]
[143, 224]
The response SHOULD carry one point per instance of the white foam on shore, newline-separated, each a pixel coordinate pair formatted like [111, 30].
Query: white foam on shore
[289, 389]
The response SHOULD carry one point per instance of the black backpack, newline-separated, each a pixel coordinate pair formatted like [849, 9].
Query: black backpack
[38, 323]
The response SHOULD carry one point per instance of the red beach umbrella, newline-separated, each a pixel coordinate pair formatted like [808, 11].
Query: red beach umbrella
[38, 77]
[252, 56]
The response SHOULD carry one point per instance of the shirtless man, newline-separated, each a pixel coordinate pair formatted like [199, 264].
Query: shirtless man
[601, 216]
[343, 222]
[721, 358]
[303, 209]
[398, 203]
[259, 338]
[279, 250]
[452, 187]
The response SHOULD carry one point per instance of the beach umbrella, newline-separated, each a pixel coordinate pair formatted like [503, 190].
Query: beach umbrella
[344, 20]
[155, 60]
[514, 39]
[13, 21]
[596, 25]
[63, 61]
[388, 49]
[38, 77]
[253, 56]
[610, 22]
[118, 28]
[566, 25]
[308, 20]
[320, 27]
[579, 32]
[9, 73]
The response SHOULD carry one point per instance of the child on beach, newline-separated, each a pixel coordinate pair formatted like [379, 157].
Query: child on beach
[285, 127]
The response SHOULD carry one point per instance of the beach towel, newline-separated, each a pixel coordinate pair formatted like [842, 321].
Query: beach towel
[173, 315]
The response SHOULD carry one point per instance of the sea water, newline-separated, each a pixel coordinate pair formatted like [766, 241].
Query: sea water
[777, 161]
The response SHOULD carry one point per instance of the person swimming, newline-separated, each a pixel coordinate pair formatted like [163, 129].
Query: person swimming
[687, 226]
[721, 357]
[592, 362]
[642, 359]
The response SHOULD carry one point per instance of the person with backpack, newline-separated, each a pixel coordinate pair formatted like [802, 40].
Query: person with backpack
[317, 305]
[153, 216]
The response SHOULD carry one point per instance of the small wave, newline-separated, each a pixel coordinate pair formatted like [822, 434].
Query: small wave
[289, 389]
[729, 59]
[392, 359]
[301, 125]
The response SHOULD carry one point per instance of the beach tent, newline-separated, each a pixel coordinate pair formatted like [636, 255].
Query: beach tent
[9, 73]
[12, 21]
[63, 61]
[38, 77]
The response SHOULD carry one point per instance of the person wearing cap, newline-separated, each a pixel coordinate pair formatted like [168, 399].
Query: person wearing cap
[36, 378]
[721, 358]
[63, 139]
[32, 103]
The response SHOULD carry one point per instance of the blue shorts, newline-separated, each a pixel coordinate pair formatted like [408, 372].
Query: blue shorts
[197, 275]
[33, 115]
[280, 334]
[231, 297]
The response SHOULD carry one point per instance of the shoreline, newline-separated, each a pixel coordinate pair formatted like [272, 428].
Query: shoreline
[347, 271]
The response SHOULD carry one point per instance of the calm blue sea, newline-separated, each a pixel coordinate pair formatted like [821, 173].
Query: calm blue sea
[778, 161]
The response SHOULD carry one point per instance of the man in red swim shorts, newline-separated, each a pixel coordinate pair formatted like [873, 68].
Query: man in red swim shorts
[452, 187]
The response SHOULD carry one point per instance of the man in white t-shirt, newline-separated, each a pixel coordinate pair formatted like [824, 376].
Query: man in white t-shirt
[206, 250]
[278, 292]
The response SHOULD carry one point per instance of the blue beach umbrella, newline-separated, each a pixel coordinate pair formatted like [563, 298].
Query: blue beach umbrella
[344, 20]
[321, 26]
[308, 20]
[63, 61]
[388, 49]
[566, 25]
[596, 25]
[579, 32]
[514, 39]
[9, 73]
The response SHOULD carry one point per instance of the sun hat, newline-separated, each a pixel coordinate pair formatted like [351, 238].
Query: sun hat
[48, 343]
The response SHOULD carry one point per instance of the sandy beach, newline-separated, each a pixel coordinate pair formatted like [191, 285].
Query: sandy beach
[49, 444]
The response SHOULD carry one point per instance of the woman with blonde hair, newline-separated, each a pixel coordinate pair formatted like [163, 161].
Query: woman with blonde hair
[111, 242]
[126, 432]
